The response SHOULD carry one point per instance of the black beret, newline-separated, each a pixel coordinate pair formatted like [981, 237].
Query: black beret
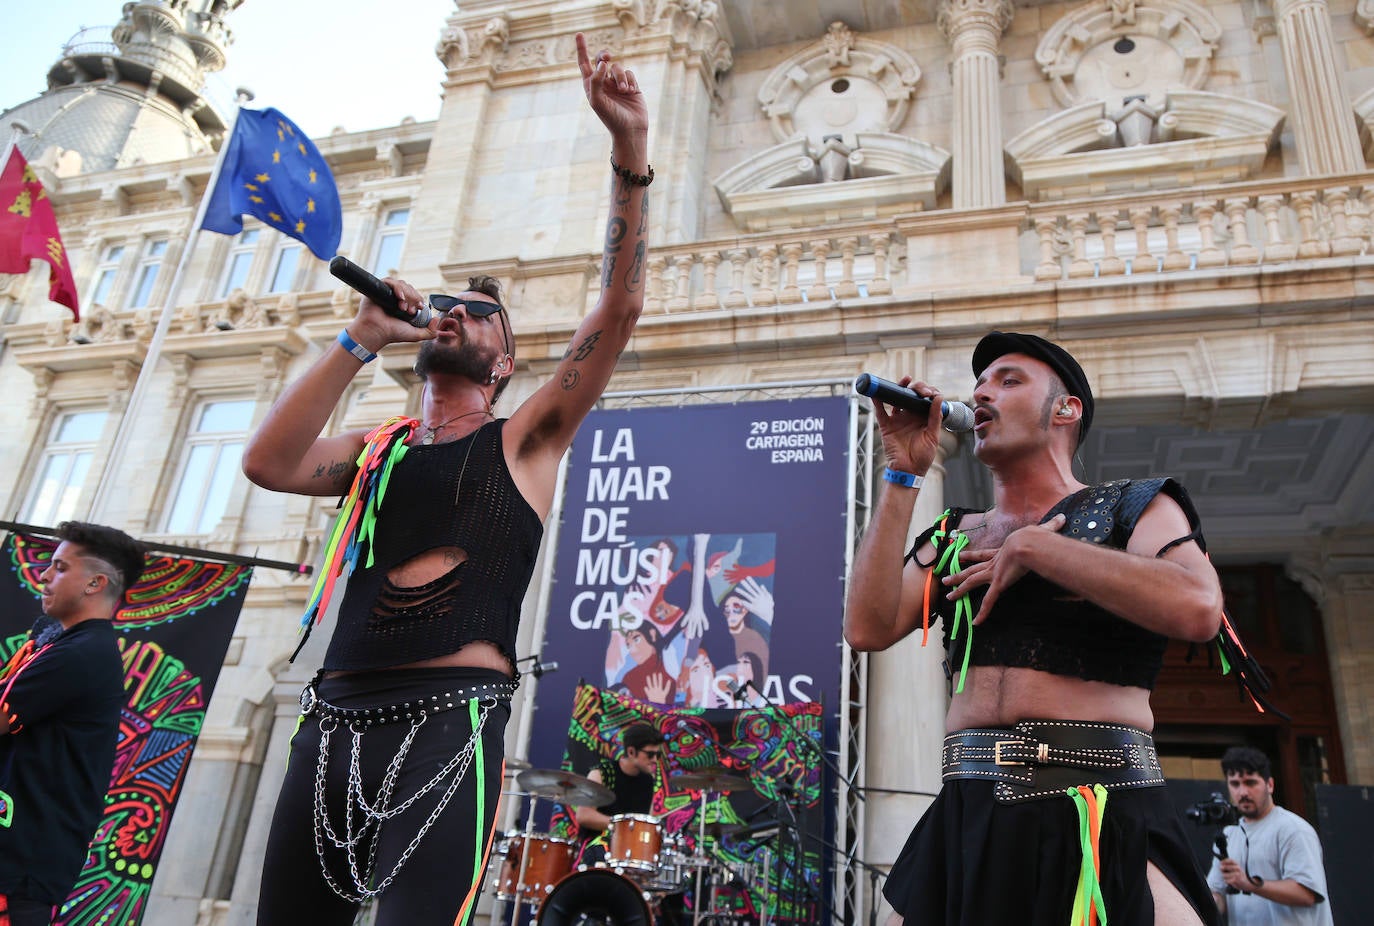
[999, 343]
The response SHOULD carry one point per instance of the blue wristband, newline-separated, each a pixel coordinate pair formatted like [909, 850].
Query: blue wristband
[353, 347]
[897, 477]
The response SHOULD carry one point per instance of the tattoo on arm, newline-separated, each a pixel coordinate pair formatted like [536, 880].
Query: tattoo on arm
[634, 276]
[615, 233]
[643, 213]
[570, 380]
[622, 191]
[332, 471]
[584, 350]
[609, 273]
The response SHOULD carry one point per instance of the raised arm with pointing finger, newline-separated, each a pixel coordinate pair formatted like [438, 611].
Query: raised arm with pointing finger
[396, 769]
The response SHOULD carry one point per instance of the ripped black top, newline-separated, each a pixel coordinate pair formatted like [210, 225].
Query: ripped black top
[458, 494]
[1036, 624]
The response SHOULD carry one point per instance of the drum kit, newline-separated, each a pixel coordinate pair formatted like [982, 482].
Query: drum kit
[644, 864]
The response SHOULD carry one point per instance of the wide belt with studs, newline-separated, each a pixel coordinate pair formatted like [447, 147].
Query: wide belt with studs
[1042, 758]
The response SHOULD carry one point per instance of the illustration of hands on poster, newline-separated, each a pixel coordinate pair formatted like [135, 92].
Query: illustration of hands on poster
[695, 619]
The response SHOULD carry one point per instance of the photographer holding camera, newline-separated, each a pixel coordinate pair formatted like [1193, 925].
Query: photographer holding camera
[1275, 873]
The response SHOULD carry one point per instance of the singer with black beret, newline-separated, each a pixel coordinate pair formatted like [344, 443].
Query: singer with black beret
[1056, 604]
[394, 774]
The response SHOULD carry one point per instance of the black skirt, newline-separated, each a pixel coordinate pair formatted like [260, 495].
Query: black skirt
[971, 861]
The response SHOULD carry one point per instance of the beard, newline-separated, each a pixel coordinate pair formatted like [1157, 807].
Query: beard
[466, 360]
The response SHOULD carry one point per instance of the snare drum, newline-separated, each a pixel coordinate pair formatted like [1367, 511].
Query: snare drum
[635, 842]
[550, 859]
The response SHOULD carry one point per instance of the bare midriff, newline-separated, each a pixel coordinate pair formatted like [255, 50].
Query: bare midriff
[998, 696]
[425, 568]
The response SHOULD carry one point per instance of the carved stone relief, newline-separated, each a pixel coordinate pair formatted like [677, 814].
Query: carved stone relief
[1119, 50]
[841, 85]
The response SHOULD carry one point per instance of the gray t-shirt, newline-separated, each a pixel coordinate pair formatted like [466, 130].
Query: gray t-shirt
[1282, 845]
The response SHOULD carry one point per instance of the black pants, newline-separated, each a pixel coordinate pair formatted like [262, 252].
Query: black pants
[441, 878]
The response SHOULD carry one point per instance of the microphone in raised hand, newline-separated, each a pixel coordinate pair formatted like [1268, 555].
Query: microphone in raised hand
[957, 416]
[360, 281]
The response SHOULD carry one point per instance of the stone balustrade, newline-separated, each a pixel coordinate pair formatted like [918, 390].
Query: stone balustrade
[1225, 226]
[776, 269]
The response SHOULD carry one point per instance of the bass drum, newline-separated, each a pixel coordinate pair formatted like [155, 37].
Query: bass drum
[595, 897]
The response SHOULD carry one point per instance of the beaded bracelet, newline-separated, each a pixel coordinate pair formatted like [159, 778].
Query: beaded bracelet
[630, 176]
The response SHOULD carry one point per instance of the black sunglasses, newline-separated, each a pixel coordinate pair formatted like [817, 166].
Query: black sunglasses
[474, 307]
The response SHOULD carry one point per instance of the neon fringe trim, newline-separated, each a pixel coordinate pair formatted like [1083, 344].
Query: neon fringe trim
[356, 524]
[479, 854]
[1091, 804]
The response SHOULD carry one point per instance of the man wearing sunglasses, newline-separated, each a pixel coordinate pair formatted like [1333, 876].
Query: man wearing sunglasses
[395, 771]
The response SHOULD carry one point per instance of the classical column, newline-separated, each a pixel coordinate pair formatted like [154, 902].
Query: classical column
[1323, 121]
[679, 50]
[469, 48]
[907, 697]
[974, 29]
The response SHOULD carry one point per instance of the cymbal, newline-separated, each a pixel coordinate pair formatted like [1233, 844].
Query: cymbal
[564, 787]
[709, 779]
[516, 764]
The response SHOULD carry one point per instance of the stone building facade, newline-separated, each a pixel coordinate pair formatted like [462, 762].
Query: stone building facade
[1178, 191]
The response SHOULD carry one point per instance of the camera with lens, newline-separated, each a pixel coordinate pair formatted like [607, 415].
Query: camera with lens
[1215, 811]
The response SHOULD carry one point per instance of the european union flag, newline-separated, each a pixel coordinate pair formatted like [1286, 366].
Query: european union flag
[273, 172]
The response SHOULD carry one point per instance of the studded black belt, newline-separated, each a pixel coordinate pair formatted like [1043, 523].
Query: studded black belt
[407, 711]
[1042, 758]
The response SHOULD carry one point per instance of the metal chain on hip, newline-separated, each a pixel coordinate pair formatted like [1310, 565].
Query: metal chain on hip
[374, 813]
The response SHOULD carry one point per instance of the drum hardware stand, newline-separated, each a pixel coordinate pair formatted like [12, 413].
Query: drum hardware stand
[525, 852]
[700, 852]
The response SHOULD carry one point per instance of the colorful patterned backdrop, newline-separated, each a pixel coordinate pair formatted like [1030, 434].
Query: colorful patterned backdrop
[173, 635]
[775, 748]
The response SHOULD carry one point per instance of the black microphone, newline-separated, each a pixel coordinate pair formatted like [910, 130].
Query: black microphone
[958, 416]
[359, 280]
[735, 688]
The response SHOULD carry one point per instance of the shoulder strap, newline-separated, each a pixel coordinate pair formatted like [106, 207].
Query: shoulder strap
[937, 534]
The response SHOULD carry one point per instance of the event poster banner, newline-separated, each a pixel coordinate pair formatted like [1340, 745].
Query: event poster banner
[173, 634]
[701, 547]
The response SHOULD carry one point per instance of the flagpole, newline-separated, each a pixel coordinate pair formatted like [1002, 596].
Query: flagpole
[164, 322]
[17, 130]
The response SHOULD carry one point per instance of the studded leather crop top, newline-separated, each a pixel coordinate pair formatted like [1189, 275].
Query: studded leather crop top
[1036, 624]
[458, 494]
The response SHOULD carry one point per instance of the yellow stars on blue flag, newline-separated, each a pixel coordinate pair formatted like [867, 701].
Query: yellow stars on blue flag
[273, 172]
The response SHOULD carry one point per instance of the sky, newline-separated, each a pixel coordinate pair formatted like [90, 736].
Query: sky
[313, 60]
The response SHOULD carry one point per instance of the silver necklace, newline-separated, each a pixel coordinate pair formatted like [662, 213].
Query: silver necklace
[432, 432]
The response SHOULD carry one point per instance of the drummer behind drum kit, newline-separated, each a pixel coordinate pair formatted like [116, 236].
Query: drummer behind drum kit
[643, 866]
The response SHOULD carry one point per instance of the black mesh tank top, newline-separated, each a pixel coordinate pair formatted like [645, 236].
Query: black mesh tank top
[461, 495]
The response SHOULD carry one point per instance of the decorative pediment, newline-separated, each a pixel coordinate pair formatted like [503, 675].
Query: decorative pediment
[843, 84]
[1194, 137]
[800, 183]
[1116, 50]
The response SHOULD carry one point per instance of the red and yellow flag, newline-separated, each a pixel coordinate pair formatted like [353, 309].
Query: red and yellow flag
[28, 230]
